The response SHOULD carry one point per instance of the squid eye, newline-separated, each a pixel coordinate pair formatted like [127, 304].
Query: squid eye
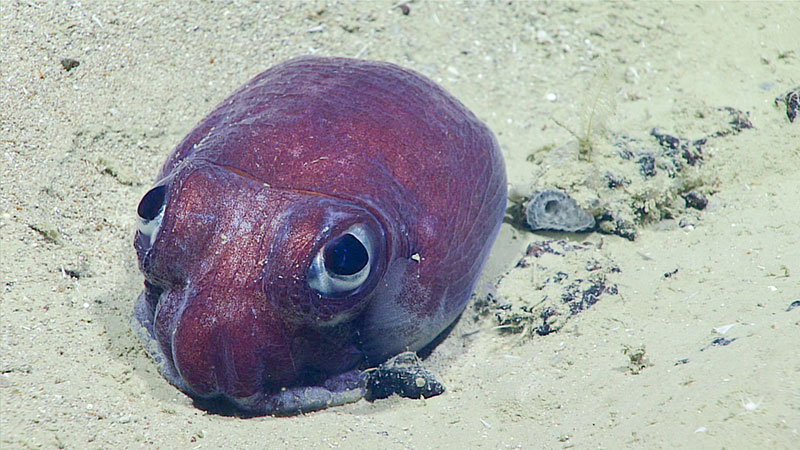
[343, 264]
[151, 211]
[345, 256]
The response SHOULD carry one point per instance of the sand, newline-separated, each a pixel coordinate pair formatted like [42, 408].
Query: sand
[79, 148]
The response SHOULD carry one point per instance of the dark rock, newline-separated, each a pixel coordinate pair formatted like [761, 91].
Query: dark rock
[69, 63]
[792, 101]
[695, 200]
[403, 375]
[615, 181]
[647, 165]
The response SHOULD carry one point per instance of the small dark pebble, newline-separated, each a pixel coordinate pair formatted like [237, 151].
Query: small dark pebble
[695, 200]
[793, 305]
[682, 361]
[69, 63]
[792, 101]
[722, 341]
[75, 274]
[647, 165]
[404, 8]
[693, 156]
[718, 342]
[615, 181]
[544, 329]
[403, 375]
[670, 274]
[691, 151]
[665, 140]
[578, 300]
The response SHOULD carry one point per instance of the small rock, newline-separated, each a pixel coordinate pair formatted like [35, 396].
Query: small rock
[695, 200]
[647, 165]
[792, 101]
[403, 375]
[69, 63]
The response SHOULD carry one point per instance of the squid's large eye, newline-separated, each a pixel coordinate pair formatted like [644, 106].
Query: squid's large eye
[345, 256]
[343, 264]
[151, 211]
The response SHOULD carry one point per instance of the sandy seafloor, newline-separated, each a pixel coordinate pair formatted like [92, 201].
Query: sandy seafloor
[79, 148]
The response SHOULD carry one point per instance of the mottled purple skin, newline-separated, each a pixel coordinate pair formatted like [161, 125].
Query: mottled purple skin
[293, 158]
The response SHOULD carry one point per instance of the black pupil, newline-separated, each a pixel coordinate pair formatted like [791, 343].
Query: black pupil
[151, 203]
[346, 255]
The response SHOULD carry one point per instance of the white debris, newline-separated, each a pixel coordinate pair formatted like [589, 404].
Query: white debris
[724, 328]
